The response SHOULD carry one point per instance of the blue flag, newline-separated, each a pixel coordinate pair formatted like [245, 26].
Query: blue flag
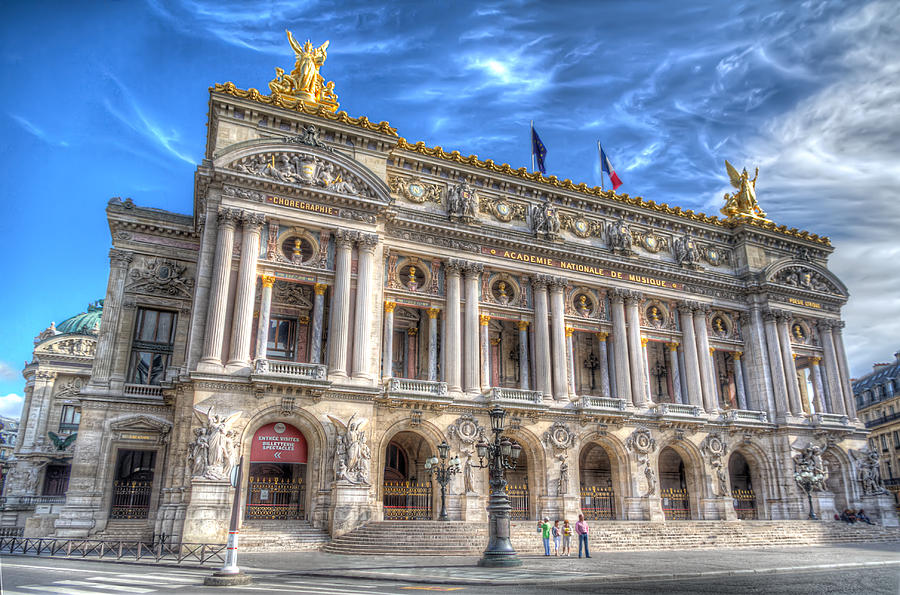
[538, 150]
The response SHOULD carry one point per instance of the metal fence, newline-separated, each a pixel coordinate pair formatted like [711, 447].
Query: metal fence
[276, 498]
[407, 501]
[598, 504]
[518, 499]
[675, 504]
[744, 504]
[126, 551]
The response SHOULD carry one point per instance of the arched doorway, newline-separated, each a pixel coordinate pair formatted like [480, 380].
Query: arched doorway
[276, 482]
[742, 488]
[406, 490]
[835, 484]
[598, 500]
[673, 486]
[517, 489]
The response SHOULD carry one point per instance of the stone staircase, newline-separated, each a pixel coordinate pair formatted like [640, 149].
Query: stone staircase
[123, 530]
[280, 536]
[434, 538]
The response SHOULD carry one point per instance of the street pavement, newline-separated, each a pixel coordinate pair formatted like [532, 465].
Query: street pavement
[851, 569]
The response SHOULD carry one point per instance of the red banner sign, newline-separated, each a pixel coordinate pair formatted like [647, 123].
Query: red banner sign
[278, 443]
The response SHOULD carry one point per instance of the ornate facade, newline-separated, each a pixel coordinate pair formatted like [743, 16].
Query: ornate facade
[340, 301]
[878, 401]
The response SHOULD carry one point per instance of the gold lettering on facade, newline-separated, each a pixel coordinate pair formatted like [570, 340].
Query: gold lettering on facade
[805, 303]
[302, 205]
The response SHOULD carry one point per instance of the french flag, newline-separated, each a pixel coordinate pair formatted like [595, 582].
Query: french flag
[607, 168]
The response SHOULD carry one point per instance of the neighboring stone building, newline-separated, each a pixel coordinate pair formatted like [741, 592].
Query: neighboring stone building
[878, 401]
[655, 363]
[8, 429]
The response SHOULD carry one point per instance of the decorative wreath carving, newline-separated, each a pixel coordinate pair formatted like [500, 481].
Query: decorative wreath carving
[559, 436]
[641, 443]
[713, 447]
[465, 429]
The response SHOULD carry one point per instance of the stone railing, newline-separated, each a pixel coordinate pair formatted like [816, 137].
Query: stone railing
[745, 415]
[603, 403]
[425, 388]
[828, 419]
[143, 390]
[318, 372]
[499, 393]
[677, 409]
[30, 501]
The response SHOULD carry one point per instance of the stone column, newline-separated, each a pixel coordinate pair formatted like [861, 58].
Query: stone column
[339, 325]
[844, 369]
[832, 375]
[818, 391]
[558, 338]
[542, 375]
[242, 317]
[603, 356]
[315, 356]
[776, 363]
[804, 390]
[704, 357]
[635, 351]
[676, 375]
[620, 346]
[570, 361]
[200, 305]
[412, 353]
[471, 374]
[387, 348]
[218, 297]
[33, 434]
[523, 355]
[790, 369]
[432, 342]
[645, 356]
[362, 322]
[691, 360]
[109, 321]
[452, 342]
[484, 322]
[757, 373]
[739, 380]
[262, 325]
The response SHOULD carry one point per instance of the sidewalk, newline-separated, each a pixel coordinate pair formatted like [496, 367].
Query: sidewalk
[602, 566]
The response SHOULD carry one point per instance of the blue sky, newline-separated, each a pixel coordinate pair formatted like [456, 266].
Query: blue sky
[109, 99]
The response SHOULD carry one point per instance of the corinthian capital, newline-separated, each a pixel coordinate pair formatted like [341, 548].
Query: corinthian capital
[473, 268]
[343, 237]
[367, 241]
[454, 266]
[558, 283]
[228, 217]
[541, 281]
[825, 324]
[633, 298]
[252, 220]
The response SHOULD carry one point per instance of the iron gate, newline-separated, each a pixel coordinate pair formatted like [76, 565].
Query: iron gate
[131, 499]
[598, 504]
[744, 504]
[518, 500]
[276, 498]
[675, 504]
[407, 501]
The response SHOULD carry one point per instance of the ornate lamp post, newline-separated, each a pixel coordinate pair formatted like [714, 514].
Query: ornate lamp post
[443, 470]
[809, 473]
[502, 455]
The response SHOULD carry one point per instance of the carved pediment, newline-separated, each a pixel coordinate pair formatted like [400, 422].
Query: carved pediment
[806, 277]
[163, 277]
[141, 428]
[78, 346]
[303, 169]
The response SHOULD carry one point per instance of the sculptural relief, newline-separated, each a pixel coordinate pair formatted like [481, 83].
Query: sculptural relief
[743, 202]
[619, 238]
[868, 472]
[545, 221]
[352, 455]
[212, 453]
[462, 203]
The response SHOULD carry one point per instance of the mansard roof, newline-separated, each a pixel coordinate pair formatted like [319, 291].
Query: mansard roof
[878, 377]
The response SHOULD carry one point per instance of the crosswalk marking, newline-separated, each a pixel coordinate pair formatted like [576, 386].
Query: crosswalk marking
[119, 588]
[297, 587]
[129, 579]
[58, 590]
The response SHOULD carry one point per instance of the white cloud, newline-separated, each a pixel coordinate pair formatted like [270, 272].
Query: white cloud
[37, 132]
[11, 405]
[7, 372]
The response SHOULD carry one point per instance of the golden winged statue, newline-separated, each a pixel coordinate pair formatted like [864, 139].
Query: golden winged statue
[304, 83]
[743, 202]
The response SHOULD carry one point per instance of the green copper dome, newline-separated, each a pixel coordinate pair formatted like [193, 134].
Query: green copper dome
[86, 323]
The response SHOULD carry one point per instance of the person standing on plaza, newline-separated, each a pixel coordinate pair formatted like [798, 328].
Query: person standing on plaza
[545, 534]
[567, 538]
[581, 529]
[555, 531]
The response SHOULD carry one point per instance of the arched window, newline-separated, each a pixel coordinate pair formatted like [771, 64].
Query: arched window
[395, 464]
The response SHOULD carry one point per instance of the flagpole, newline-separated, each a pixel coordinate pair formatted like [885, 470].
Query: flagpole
[531, 140]
[600, 157]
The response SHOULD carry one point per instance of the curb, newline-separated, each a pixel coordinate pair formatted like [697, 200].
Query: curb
[591, 577]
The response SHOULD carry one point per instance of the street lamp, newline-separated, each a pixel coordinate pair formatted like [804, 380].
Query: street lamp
[502, 455]
[443, 470]
[809, 473]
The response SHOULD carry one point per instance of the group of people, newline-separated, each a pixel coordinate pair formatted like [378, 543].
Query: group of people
[850, 517]
[562, 536]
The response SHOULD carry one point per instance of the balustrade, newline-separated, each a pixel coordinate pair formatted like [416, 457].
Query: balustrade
[417, 387]
[603, 403]
[499, 393]
[143, 390]
[677, 409]
[293, 369]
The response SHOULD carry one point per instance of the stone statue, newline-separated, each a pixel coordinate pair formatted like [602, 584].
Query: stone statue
[308, 82]
[545, 221]
[650, 474]
[212, 451]
[619, 237]
[352, 454]
[462, 203]
[809, 467]
[743, 202]
[868, 472]
[469, 474]
[686, 252]
[562, 486]
[721, 477]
